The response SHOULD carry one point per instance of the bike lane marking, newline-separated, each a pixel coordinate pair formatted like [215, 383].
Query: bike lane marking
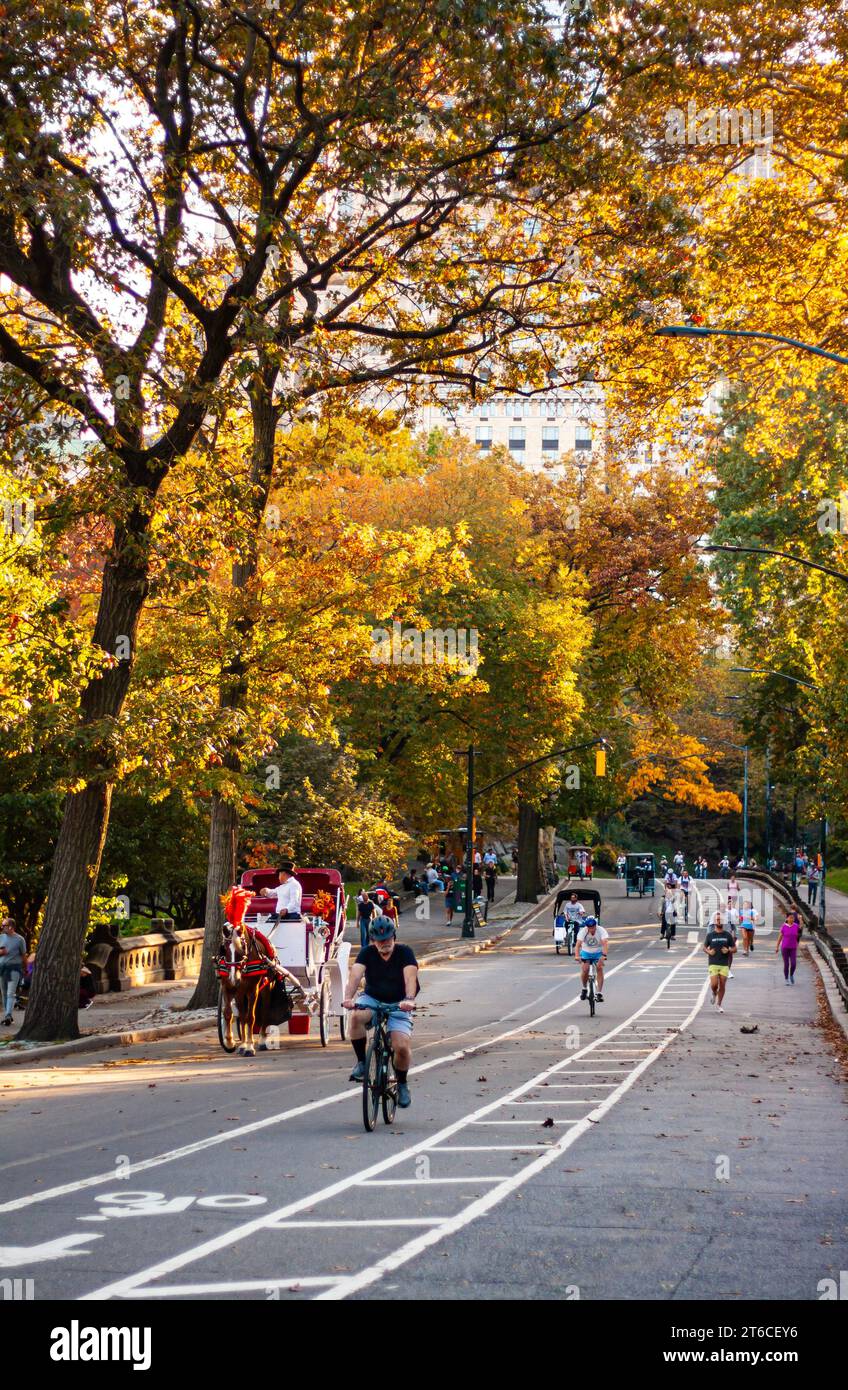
[214, 1140]
[140, 1284]
[389, 1263]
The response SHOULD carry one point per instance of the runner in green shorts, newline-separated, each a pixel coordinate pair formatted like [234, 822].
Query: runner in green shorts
[719, 946]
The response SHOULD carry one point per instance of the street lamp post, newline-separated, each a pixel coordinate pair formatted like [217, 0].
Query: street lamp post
[691, 330]
[744, 749]
[468, 917]
[807, 685]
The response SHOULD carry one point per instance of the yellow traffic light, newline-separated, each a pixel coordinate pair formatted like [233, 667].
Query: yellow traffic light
[600, 762]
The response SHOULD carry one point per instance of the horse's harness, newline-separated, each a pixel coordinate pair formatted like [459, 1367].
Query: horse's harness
[233, 963]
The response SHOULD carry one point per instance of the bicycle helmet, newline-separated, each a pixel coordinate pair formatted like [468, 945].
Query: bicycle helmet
[381, 929]
[590, 921]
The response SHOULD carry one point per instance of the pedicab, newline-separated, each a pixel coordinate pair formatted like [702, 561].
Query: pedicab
[639, 874]
[560, 923]
[310, 948]
[579, 861]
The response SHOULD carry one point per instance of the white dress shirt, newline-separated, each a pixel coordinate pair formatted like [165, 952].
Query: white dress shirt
[289, 896]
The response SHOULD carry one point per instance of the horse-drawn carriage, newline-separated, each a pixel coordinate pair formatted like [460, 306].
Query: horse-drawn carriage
[288, 971]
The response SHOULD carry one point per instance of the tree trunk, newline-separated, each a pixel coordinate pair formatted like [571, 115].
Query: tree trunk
[220, 875]
[527, 888]
[52, 1010]
[224, 821]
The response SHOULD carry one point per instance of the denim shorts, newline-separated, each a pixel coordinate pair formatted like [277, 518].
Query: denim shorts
[399, 1020]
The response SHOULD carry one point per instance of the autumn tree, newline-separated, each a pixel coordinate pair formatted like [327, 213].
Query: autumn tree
[188, 186]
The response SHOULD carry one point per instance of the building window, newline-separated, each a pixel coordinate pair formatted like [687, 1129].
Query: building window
[483, 436]
[518, 410]
[550, 439]
[484, 410]
[583, 437]
[517, 438]
[552, 410]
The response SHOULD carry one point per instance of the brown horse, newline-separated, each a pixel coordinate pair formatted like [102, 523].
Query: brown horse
[247, 971]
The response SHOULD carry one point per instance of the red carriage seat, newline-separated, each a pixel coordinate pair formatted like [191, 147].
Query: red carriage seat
[312, 882]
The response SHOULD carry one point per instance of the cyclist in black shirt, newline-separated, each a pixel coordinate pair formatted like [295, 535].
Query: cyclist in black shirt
[390, 973]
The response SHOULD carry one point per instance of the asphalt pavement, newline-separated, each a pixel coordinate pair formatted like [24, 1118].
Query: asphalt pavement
[654, 1151]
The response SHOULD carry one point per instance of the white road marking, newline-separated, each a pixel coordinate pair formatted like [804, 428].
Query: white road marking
[371, 1222]
[13, 1255]
[484, 1149]
[531, 932]
[131, 1284]
[497, 1195]
[421, 1182]
[291, 1285]
[199, 1145]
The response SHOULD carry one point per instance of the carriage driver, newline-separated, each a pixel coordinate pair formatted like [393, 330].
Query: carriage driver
[390, 972]
[288, 893]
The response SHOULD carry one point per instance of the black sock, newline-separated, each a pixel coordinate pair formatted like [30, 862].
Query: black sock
[358, 1045]
[401, 1075]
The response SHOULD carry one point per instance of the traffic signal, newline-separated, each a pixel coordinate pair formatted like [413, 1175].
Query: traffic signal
[600, 762]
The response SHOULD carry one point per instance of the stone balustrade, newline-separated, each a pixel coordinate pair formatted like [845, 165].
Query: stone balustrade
[121, 962]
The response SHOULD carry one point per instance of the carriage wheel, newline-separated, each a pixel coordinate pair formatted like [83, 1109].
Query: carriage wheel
[325, 1019]
[222, 1034]
[343, 1025]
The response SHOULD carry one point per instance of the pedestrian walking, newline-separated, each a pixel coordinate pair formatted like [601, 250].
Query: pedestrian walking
[813, 876]
[13, 951]
[366, 908]
[491, 873]
[748, 923]
[477, 883]
[719, 945]
[450, 896]
[787, 943]
[732, 892]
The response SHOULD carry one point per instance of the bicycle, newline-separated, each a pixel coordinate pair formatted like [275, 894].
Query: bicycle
[590, 987]
[379, 1086]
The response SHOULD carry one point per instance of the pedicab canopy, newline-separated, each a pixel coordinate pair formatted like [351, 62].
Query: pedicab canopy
[575, 853]
[582, 895]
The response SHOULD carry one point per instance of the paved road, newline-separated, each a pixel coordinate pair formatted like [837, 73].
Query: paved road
[651, 1152]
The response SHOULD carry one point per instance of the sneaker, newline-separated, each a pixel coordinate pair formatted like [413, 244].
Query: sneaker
[787, 982]
[358, 1073]
[599, 998]
[720, 1008]
[7, 1020]
[791, 979]
[404, 1098]
[584, 994]
[752, 950]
